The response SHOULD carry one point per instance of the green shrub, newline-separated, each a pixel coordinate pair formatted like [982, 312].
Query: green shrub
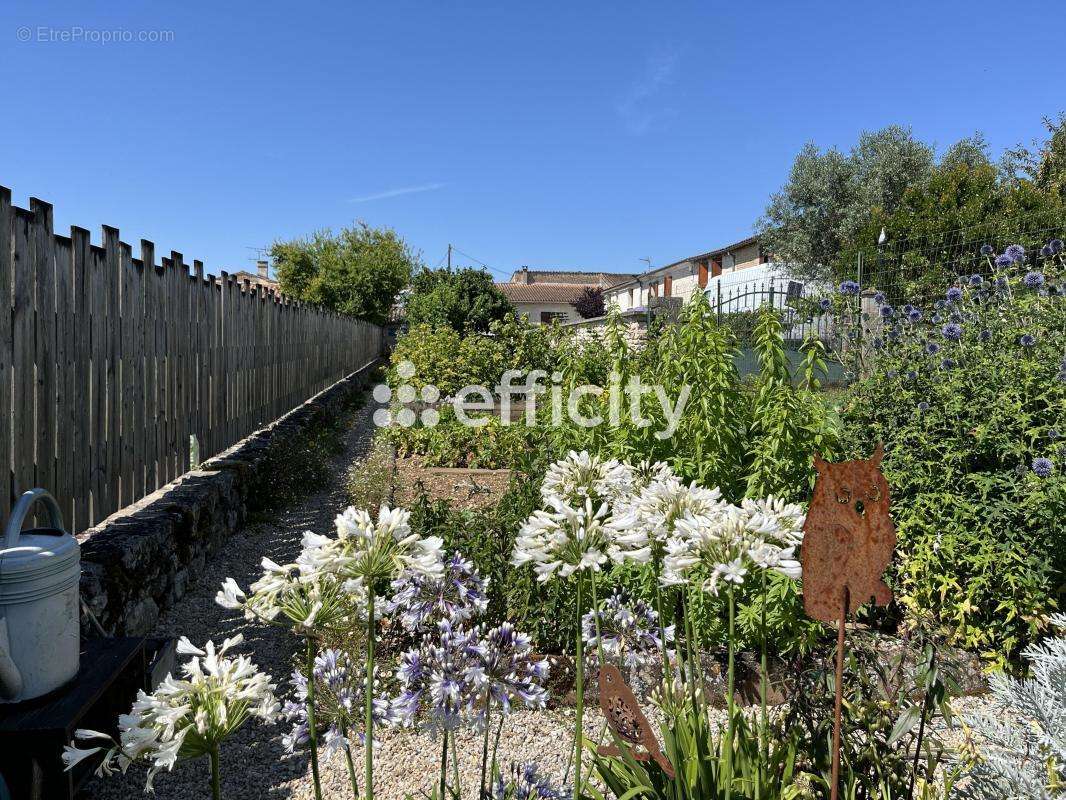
[981, 535]
[451, 443]
[445, 359]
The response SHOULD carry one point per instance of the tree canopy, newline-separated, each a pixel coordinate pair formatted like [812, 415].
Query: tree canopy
[465, 299]
[358, 271]
[591, 303]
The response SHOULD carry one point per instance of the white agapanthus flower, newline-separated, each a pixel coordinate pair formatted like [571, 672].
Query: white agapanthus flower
[580, 477]
[184, 717]
[643, 524]
[369, 550]
[564, 540]
[730, 542]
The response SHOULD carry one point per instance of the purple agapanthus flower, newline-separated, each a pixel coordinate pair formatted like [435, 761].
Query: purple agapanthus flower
[849, 288]
[631, 633]
[1042, 467]
[505, 671]
[952, 331]
[1001, 282]
[419, 602]
[954, 294]
[436, 679]
[1016, 253]
[1034, 279]
[1052, 433]
[527, 783]
[1027, 340]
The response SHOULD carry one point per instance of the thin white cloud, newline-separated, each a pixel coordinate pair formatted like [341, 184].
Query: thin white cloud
[425, 187]
[638, 109]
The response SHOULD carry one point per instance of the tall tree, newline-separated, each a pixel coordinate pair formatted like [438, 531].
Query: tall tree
[464, 299]
[1044, 163]
[358, 271]
[591, 303]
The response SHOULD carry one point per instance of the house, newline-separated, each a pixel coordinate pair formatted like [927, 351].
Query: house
[545, 296]
[261, 277]
[682, 278]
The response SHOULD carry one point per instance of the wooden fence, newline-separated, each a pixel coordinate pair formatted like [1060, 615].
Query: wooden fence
[109, 363]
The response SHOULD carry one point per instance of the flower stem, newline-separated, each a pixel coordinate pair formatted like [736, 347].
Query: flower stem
[579, 689]
[312, 732]
[662, 619]
[730, 723]
[351, 770]
[485, 742]
[764, 678]
[369, 705]
[216, 779]
[443, 765]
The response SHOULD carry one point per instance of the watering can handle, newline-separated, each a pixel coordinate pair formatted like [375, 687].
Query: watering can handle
[22, 510]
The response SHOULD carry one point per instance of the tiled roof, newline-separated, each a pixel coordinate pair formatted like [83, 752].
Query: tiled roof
[575, 276]
[543, 292]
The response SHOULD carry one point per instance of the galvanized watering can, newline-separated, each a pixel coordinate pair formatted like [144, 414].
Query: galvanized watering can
[39, 574]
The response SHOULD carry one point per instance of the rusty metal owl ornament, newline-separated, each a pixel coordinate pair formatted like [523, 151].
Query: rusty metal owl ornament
[848, 538]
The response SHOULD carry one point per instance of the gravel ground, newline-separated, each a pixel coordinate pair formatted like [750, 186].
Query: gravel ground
[255, 765]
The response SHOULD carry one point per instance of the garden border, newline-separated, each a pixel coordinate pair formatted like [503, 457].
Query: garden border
[142, 559]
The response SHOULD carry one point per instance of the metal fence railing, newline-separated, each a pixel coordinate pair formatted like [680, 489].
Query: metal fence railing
[737, 305]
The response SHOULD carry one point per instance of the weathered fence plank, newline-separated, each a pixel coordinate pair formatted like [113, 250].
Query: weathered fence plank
[45, 418]
[5, 353]
[81, 402]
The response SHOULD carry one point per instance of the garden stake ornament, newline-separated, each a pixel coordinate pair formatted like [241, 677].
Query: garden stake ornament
[622, 712]
[848, 542]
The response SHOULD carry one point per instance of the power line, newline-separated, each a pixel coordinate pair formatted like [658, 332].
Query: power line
[482, 263]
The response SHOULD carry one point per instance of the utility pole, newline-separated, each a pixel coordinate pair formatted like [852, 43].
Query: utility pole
[449, 258]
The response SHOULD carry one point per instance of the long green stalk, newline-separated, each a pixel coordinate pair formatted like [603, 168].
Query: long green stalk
[764, 681]
[662, 620]
[485, 742]
[444, 765]
[351, 768]
[727, 767]
[369, 705]
[579, 688]
[312, 725]
[216, 779]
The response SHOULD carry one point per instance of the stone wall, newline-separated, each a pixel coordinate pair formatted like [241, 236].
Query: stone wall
[143, 559]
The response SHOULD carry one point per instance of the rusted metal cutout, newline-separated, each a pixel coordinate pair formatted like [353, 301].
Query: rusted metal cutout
[848, 538]
[623, 715]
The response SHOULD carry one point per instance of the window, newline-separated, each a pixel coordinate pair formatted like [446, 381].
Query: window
[548, 317]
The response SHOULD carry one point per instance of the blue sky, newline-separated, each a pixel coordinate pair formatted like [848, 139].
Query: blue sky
[582, 135]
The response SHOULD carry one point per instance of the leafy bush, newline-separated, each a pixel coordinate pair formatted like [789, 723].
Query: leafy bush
[968, 398]
[464, 299]
[451, 443]
[447, 360]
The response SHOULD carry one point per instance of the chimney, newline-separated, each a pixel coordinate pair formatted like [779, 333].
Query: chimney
[263, 267]
[522, 276]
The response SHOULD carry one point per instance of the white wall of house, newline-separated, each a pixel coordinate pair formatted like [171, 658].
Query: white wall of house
[535, 310]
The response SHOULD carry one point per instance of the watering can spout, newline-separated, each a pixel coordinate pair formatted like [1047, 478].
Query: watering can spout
[10, 677]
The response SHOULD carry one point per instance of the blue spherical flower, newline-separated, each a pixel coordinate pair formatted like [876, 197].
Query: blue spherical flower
[1027, 340]
[908, 308]
[878, 344]
[947, 363]
[986, 250]
[986, 335]
[825, 304]
[1056, 246]
[1045, 251]
[879, 298]
[915, 315]
[923, 406]
[1042, 467]
[1016, 253]
[1034, 280]
[911, 375]
[1052, 433]
[954, 294]
[1001, 283]
[932, 348]
[891, 373]
[887, 311]
[849, 288]
[937, 319]
[1004, 260]
[1061, 377]
[976, 280]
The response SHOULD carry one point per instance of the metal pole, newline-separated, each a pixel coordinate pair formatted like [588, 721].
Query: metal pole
[449, 258]
[840, 694]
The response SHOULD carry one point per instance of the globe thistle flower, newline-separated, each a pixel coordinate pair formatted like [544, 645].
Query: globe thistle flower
[1052, 433]
[923, 406]
[1042, 467]
[504, 670]
[976, 280]
[911, 375]
[986, 335]
[1001, 283]
[932, 348]
[1056, 246]
[630, 635]
[849, 288]
[1045, 251]
[420, 602]
[306, 598]
[1027, 340]
[641, 527]
[370, 551]
[987, 250]
[825, 304]
[1016, 253]
[887, 311]
[527, 783]
[1033, 280]
[436, 680]
[937, 319]
[915, 315]
[947, 363]
[954, 294]
[340, 694]
[564, 540]
[1004, 261]
[879, 298]
[952, 331]
[581, 476]
[184, 717]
